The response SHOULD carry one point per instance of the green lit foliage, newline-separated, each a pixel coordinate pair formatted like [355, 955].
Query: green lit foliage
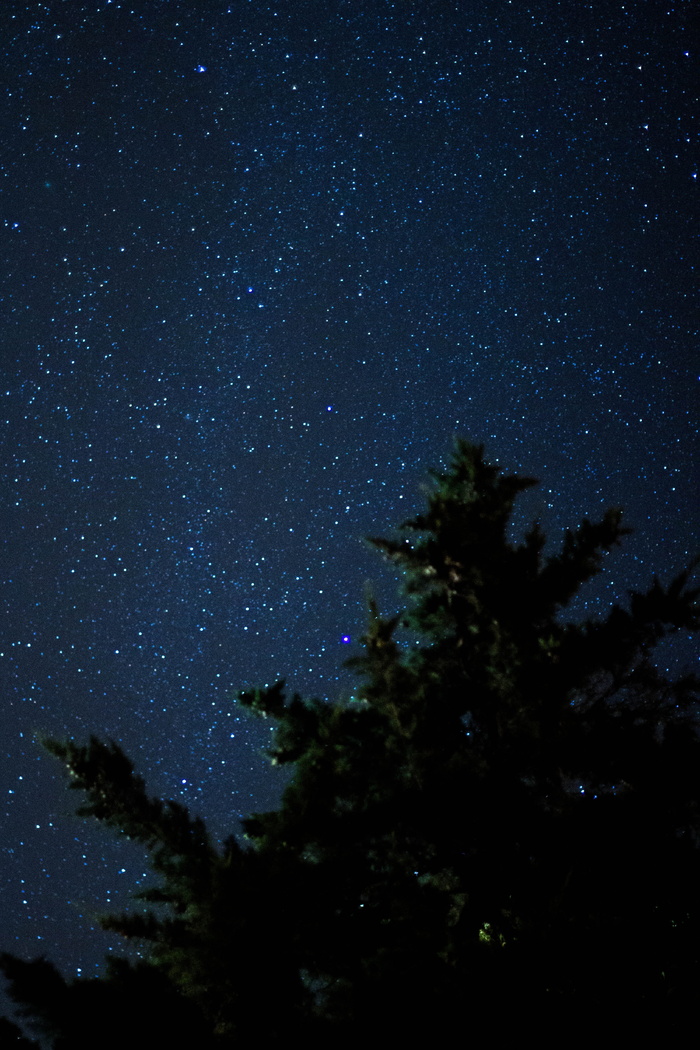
[506, 812]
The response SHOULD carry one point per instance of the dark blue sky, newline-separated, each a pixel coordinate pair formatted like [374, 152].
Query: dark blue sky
[261, 262]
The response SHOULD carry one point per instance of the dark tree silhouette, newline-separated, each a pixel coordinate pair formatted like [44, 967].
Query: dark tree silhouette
[498, 834]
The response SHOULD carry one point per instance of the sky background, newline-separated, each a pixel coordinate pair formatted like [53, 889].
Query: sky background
[260, 263]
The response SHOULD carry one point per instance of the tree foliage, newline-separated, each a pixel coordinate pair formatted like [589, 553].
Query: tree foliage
[500, 829]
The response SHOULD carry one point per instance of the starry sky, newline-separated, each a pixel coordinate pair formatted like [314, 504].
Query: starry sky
[261, 261]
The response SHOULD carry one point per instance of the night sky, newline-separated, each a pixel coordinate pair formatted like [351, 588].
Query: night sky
[261, 261]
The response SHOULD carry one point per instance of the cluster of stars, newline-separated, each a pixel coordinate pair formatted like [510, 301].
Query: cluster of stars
[263, 261]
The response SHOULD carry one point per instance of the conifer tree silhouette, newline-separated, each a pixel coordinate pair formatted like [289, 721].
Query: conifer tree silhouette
[500, 831]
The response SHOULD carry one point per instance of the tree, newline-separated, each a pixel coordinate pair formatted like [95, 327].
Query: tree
[499, 830]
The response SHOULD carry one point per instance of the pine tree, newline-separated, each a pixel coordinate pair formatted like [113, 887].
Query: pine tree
[500, 831]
